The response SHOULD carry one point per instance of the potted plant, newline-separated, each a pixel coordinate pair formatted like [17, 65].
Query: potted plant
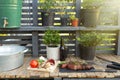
[74, 21]
[90, 12]
[88, 42]
[63, 5]
[52, 41]
[47, 15]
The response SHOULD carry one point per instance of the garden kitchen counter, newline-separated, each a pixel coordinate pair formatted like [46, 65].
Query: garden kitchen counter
[23, 72]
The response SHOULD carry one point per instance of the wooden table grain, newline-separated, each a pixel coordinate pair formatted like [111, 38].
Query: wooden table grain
[22, 71]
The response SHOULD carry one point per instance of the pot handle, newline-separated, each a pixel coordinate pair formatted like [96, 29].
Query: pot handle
[24, 51]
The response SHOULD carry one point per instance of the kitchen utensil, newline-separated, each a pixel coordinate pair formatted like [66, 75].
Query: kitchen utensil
[112, 64]
[11, 57]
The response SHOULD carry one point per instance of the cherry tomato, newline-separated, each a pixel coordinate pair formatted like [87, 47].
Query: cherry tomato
[34, 64]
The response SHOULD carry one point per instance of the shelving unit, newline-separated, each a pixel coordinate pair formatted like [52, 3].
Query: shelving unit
[30, 33]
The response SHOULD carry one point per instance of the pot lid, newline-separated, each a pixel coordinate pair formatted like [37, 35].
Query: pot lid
[11, 49]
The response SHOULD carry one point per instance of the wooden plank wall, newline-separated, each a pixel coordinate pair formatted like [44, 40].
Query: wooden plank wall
[110, 16]
[109, 13]
[17, 38]
[109, 44]
[27, 13]
[30, 15]
[57, 10]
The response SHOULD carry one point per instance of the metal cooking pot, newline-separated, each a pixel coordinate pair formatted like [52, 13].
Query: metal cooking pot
[11, 57]
[8, 40]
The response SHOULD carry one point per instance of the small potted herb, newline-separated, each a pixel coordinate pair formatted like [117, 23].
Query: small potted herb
[52, 41]
[90, 12]
[63, 6]
[92, 4]
[47, 14]
[88, 42]
[74, 21]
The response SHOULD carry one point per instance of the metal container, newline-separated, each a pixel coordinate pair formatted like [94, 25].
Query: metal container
[10, 13]
[11, 57]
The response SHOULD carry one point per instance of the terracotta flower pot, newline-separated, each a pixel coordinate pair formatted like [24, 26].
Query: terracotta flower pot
[75, 22]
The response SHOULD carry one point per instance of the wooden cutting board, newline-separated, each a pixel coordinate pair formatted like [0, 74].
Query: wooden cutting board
[50, 69]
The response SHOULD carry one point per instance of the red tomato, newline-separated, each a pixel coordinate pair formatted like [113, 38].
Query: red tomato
[34, 63]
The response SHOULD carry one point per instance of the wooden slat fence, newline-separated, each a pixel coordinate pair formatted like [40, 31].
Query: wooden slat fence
[109, 44]
[31, 32]
[70, 9]
[30, 7]
[27, 13]
[32, 13]
[17, 38]
[109, 12]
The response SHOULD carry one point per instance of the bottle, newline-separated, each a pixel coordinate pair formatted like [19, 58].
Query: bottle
[63, 50]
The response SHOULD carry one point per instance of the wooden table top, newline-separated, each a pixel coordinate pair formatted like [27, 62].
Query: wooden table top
[23, 72]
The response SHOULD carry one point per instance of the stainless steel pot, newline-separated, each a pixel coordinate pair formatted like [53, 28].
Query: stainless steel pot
[11, 57]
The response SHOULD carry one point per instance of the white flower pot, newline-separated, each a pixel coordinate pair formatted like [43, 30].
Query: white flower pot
[53, 53]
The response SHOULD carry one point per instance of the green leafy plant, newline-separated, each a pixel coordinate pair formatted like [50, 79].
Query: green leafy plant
[47, 5]
[73, 17]
[90, 38]
[92, 4]
[63, 5]
[51, 38]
